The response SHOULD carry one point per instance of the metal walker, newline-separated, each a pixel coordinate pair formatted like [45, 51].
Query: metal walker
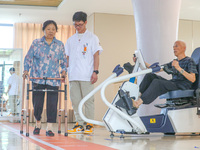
[43, 90]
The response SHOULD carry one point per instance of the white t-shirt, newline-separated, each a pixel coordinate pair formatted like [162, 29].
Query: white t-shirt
[81, 52]
[14, 82]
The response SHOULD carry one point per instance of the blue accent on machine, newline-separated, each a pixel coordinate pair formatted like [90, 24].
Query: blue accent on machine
[158, 123]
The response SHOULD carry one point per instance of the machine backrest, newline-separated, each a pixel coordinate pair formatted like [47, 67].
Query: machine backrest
[196, 58]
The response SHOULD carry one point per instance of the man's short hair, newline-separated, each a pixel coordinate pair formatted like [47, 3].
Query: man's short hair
[80, 16]
[12, 69]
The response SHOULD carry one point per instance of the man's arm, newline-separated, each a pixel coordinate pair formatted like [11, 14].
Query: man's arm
[94, 76]
[146, 64]
[8, 89]
[96, 60]
[190, 76]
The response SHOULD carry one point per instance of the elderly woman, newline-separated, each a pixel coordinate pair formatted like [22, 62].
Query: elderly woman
[43, 59]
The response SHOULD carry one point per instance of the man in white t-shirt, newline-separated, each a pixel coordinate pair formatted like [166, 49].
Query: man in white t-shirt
[13, 85]
[82, 51]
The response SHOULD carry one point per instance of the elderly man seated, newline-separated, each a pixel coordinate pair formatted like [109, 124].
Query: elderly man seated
[184, 70]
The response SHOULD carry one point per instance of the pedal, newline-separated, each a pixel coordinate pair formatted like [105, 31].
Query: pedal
[121, 103]
[132, 111]
[125, 102]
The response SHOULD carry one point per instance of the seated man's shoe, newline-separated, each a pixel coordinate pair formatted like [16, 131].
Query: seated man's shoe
[135, 104]
[36, 131]
[89, 128]
[49, 133]
[76, 129]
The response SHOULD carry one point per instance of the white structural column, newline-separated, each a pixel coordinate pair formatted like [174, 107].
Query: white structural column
[156, 24]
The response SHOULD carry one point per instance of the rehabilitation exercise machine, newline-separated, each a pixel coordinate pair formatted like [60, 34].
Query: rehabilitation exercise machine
[177, 115]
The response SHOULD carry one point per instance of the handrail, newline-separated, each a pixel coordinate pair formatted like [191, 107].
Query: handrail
[116, 72]
[140, 129]
[87, 97]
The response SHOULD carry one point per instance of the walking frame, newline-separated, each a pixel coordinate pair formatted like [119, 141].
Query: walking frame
[3, 104]
[27, 109]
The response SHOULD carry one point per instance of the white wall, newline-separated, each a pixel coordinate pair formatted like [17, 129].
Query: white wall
[189, 31]
[118, 39]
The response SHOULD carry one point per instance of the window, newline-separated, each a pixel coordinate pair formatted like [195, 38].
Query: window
[6, 36]
[6, 41]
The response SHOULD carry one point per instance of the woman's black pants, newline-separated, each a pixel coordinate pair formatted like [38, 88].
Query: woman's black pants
[51, 104]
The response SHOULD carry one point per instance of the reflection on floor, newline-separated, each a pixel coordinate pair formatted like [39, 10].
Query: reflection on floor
[10, 139]
[6, 116]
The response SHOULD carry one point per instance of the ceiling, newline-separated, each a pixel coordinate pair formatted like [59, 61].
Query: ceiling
[49, 3]
[190, 9]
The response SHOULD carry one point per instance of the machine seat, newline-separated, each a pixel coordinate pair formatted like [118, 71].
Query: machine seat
[178, 94]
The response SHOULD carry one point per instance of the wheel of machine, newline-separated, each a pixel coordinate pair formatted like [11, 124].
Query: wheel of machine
[112, 135]
[146, 133]
[121, 136]
[66, 134]
[173, 133]
[27, 134]
[193, 133]
[59, 132]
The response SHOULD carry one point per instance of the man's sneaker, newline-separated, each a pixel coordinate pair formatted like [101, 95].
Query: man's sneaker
[36, 131]
[89, 128]
[76, 129]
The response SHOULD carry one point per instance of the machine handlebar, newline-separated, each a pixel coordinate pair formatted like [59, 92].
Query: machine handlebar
[118, 70]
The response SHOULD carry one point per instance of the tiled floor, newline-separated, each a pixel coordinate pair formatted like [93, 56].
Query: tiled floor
[10, 139]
